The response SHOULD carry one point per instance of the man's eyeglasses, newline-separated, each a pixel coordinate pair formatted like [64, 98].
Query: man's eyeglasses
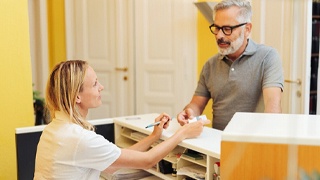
[227, 30]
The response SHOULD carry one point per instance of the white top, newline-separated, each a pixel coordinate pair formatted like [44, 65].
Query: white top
[208, 142]
[67, 151]
[299, 129]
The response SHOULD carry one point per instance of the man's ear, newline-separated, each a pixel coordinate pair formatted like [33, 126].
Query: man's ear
[78, 99]
[248, 27]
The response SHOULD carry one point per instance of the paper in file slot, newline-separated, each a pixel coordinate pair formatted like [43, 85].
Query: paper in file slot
[193, 171]
[195, 119]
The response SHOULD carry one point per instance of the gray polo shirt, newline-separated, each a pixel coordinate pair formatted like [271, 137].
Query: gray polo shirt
[237, 86]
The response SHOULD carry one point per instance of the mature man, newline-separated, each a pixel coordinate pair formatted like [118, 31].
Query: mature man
[241, 75]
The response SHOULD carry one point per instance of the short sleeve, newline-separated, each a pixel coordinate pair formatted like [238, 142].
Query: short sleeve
[273, 73]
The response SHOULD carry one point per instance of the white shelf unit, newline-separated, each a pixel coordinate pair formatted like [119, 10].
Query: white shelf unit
[129, 130]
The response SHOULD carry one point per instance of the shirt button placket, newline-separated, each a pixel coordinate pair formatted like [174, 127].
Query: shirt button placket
[232, 74]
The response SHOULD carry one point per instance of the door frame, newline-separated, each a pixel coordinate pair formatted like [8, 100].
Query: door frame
[38, 27]
[302, 50]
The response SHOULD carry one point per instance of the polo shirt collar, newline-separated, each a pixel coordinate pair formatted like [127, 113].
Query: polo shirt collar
[250, 49]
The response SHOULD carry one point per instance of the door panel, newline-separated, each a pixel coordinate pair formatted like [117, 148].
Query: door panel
[165, 55]
[91, 36]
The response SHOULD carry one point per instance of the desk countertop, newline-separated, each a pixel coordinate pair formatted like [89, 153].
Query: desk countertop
[208, 142]
[297, 129]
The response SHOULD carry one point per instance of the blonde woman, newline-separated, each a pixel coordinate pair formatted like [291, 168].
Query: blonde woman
[70, 149]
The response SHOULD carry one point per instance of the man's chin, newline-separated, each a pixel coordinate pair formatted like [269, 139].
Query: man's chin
[223, 52]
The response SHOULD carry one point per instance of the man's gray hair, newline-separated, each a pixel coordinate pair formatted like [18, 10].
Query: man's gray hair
[244, 5]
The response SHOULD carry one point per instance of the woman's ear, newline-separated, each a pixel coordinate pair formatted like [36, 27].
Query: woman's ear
[78, 99]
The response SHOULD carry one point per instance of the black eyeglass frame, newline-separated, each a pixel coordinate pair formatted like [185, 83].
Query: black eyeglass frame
[223, 28]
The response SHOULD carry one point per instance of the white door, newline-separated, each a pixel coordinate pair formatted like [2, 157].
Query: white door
[96, 32]
[165, 42]
[286, 26]
[144, 52]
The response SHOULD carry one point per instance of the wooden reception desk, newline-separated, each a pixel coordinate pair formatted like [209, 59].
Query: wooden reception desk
[270, 146]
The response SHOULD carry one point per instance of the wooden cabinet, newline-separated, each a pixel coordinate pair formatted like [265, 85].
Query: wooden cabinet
[192, 158]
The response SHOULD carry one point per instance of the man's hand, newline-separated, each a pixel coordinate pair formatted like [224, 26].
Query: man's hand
[185, 115]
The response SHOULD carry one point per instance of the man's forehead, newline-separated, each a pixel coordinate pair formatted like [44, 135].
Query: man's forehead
[226, 16]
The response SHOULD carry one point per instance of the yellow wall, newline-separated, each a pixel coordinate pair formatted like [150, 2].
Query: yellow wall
[16, 107]
[56, 32]
[207, 47]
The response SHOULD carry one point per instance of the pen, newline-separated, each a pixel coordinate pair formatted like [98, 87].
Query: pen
[153, 124]
[156, 123]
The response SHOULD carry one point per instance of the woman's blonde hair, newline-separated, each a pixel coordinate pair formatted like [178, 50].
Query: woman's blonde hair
[63, 86]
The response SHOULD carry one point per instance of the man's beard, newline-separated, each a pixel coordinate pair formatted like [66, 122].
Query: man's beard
[234, 46]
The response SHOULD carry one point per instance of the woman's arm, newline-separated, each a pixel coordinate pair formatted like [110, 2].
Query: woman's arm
[130, 158]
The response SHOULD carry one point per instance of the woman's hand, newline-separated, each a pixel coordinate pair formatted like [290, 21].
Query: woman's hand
[192, 130]
[145, 143]
[164, 124]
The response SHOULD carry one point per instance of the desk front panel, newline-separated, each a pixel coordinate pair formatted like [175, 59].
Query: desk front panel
[242, 160]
